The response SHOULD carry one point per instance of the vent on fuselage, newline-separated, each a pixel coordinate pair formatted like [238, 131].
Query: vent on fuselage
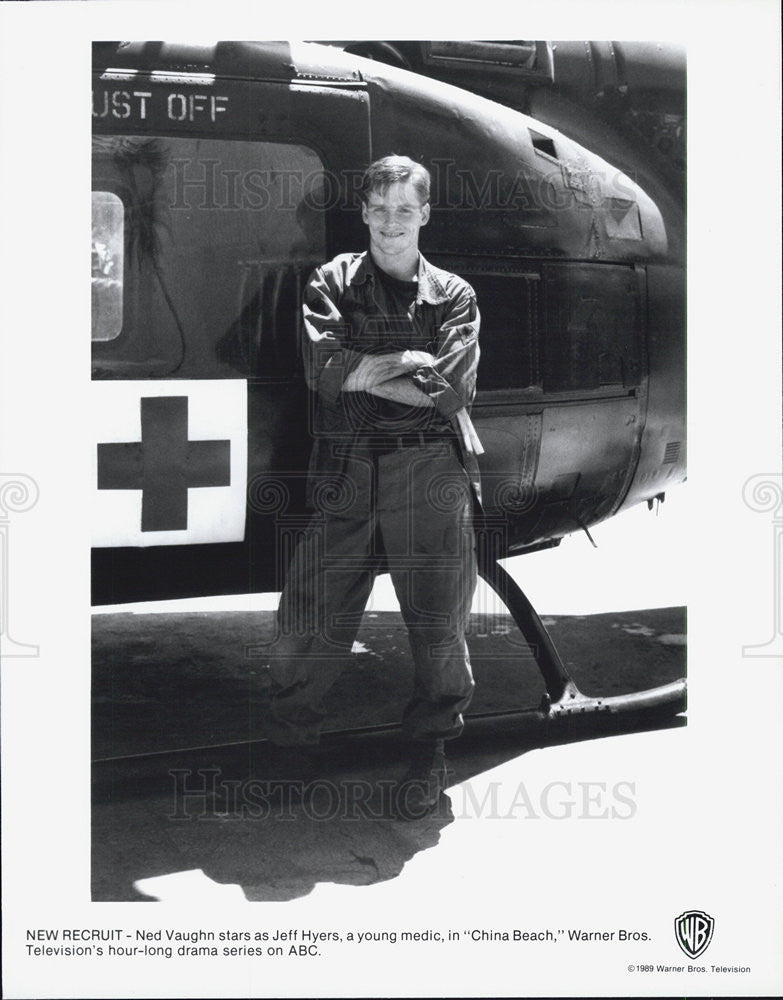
[542, 144]
[672, 452]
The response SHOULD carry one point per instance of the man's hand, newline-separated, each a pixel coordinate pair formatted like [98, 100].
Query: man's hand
[375, 369]
[402, 390]
[416, 359]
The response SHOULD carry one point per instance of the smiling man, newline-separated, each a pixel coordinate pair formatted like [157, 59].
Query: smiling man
[395, 216]
[391, 352]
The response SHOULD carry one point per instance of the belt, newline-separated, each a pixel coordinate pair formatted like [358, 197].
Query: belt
[382, 443]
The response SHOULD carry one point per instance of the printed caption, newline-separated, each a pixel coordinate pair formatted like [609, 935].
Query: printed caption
[168, 943]
[123, 944]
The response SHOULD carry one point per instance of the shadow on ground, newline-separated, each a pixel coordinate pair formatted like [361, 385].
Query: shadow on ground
[172, 823]
[196, 825]
[220, 823]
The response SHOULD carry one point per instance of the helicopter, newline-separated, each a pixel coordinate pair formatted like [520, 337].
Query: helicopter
[224, 173]
[625, 99]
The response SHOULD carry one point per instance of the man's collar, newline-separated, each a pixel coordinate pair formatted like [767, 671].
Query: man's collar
[430, 288]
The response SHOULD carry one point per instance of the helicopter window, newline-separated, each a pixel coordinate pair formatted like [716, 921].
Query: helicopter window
[108, 221]
[219, 236]
[517, 54]
[592, 327]
[509, 306]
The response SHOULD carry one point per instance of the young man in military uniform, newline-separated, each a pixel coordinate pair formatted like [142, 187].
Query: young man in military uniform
[391, 352]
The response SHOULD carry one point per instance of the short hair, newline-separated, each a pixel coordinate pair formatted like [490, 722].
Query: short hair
[381, 174]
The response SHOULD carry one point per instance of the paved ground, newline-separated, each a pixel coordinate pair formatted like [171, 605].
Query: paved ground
[164, 683]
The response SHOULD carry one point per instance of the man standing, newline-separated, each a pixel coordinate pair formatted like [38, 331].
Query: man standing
[391, 352]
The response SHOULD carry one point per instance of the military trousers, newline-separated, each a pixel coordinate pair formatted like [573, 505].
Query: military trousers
[408, 510]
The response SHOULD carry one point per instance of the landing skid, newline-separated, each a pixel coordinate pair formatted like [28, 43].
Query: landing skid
[563, 700]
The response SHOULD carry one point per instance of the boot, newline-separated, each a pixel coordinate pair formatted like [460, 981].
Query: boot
[417, 793]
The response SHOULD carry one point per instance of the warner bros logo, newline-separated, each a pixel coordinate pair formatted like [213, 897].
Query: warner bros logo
[693, 931]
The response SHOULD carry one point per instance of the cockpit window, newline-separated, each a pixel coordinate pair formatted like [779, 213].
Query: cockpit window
[108, 240]
[219, 238]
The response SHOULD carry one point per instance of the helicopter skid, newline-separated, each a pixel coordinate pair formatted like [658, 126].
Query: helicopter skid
[669, 698]
[563, 699]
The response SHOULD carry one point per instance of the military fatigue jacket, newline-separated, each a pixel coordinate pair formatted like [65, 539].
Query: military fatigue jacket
[347, 315]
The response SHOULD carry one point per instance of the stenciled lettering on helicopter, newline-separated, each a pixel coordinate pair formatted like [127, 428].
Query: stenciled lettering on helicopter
[191, 107]
[139, 105]
[120, 103]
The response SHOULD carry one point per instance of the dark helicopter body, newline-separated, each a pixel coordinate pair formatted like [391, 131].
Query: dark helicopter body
[223, 174]
[622, 99]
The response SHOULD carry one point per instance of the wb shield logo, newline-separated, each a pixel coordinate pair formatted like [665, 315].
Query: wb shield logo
[693, 930]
